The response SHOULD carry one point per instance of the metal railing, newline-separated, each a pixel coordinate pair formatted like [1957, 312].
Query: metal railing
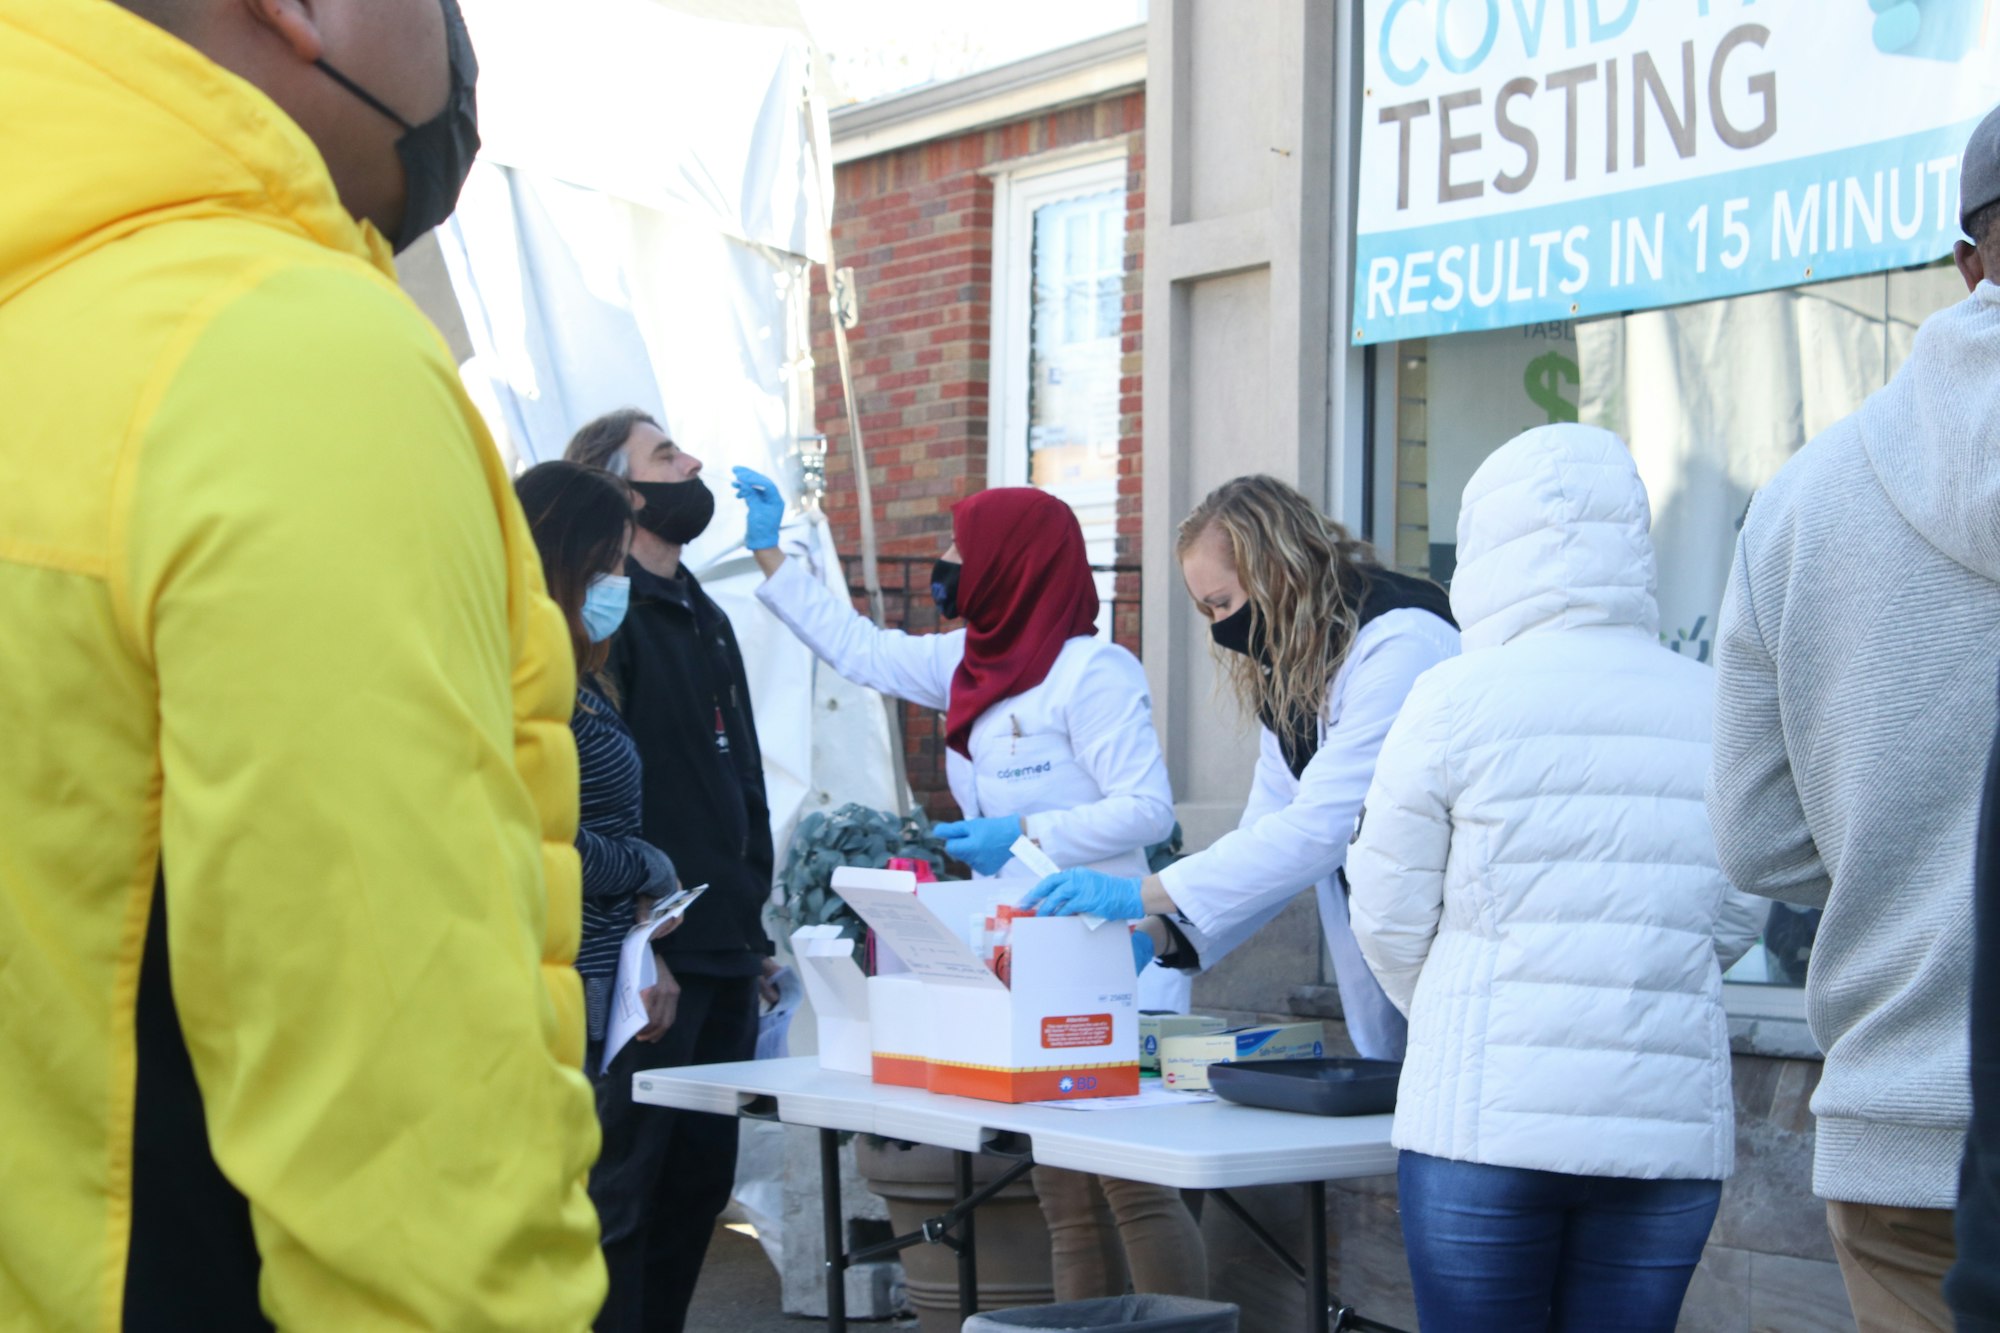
[907, 605]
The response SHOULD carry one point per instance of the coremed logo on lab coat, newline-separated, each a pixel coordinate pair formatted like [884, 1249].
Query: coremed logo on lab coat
[1026, 771]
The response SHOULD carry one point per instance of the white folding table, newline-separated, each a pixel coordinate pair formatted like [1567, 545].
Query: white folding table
[1205, 1146]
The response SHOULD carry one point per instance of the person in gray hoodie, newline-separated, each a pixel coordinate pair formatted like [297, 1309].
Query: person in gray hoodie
[1854, 709]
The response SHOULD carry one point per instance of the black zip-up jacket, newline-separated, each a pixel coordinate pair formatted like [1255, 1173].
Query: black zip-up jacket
[681, 683]
[1973, 1285]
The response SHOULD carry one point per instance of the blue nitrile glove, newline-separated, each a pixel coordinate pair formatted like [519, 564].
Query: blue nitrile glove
[983, 844]
[1142, 950]
[1083, 892]
[767, 508]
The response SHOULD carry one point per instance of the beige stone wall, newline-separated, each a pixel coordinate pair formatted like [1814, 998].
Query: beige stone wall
[1248, 367]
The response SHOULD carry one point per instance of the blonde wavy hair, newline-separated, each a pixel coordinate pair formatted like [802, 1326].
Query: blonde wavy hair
[1305, 575]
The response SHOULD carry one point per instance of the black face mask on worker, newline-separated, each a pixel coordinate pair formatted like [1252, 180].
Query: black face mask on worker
[437, 155]
[944, 587]
[1233, 631]
[676, 511]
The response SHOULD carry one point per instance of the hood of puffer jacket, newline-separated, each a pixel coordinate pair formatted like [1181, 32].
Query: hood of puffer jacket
[1554, 533]
[192, 140]
[1933, 434]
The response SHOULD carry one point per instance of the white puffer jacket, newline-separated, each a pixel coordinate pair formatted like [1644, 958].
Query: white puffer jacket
[1533, 878]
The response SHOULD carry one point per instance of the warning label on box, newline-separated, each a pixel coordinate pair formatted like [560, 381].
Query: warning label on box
[1076, 1030]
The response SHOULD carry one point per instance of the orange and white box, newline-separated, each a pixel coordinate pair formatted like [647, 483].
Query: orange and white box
[1068, 1028]
[899, 1030]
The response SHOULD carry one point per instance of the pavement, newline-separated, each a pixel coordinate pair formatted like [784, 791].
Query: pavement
[738, 1293]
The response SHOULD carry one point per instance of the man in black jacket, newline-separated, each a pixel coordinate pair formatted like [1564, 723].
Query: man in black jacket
[1973, 1285]
[665, 1175]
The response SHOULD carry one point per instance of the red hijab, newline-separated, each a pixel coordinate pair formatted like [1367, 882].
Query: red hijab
[1025, 589]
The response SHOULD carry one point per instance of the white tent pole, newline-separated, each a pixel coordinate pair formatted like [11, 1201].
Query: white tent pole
[865, 501]
[871, 573]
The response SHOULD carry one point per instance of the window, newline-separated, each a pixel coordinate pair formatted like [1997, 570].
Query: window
[1058, 312]
[1712, 398]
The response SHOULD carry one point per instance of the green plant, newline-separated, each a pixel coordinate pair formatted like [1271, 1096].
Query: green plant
[853, 835]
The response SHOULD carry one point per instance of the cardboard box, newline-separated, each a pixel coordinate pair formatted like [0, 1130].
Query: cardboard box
[1069, 1027]
[1155, 1026]
[898, 1031]
[838, 993]
[1184, 1060]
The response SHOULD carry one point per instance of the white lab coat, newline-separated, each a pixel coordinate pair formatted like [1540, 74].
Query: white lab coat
[1294, 831]
[1075, 756]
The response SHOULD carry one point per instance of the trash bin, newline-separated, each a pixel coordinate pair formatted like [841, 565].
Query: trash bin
[1136, 1314]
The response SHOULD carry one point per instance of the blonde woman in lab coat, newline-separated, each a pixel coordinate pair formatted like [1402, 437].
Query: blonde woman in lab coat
[1320, 643]
[1050, 734]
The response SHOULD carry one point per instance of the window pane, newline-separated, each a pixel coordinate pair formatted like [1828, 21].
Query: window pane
[1712, 398]
[1074, 342]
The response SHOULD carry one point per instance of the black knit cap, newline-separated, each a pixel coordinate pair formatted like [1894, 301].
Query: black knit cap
[1979, 176]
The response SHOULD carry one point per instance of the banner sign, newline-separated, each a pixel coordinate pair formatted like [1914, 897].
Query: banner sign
[1540, 160]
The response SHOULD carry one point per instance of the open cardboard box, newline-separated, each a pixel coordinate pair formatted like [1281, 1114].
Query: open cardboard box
[839, 994]
[1069, 1027]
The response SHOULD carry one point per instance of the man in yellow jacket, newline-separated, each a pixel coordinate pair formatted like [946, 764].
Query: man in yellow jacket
[288, 1033]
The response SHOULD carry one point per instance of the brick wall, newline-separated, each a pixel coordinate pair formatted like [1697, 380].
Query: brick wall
[1131, 427]
[916, 226]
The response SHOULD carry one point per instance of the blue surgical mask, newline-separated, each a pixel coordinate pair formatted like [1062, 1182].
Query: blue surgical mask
[604, 606]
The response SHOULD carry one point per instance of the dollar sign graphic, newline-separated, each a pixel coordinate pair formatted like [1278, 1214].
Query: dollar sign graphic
[1545, 374]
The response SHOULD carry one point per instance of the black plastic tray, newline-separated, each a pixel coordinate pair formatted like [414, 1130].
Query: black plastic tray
[1343, 1085]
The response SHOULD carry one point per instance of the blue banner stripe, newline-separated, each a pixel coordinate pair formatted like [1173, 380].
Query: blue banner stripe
[1727, 234]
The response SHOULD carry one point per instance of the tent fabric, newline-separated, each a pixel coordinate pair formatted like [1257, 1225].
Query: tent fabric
[638, 232]
[684, 115]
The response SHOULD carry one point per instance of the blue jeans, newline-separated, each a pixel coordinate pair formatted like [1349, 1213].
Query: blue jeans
[1499, 1247]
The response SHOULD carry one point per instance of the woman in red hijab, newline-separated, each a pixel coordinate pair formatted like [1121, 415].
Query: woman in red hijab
[1050, 735]
[1024, 589]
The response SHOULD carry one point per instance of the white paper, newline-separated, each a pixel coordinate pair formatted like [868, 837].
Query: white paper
[636, 973]
[1028, 854]
[1037, 860]
[775, 1025]
[1150, 1094]
[928, 947]
[674, 906]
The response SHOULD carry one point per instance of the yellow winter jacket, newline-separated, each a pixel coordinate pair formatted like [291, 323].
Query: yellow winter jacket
[272, 634]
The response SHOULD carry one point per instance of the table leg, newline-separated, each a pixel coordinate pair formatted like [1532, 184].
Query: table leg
[1317, 1296]
[830, 1216]
[968, 1260]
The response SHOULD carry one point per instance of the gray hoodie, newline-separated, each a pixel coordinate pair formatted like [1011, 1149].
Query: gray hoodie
[1855, 704]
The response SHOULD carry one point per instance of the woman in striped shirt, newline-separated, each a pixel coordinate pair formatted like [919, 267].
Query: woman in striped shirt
[582, 521]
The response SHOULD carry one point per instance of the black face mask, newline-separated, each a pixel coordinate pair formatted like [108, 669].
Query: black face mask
[944, 587]
[1298, 741]
[1233, 631]
[676, 511]
[437, 155]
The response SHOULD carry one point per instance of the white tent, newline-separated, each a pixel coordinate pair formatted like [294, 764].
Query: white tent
[652, 190]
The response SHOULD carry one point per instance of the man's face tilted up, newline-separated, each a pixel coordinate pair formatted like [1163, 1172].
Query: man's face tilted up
[651, 456]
